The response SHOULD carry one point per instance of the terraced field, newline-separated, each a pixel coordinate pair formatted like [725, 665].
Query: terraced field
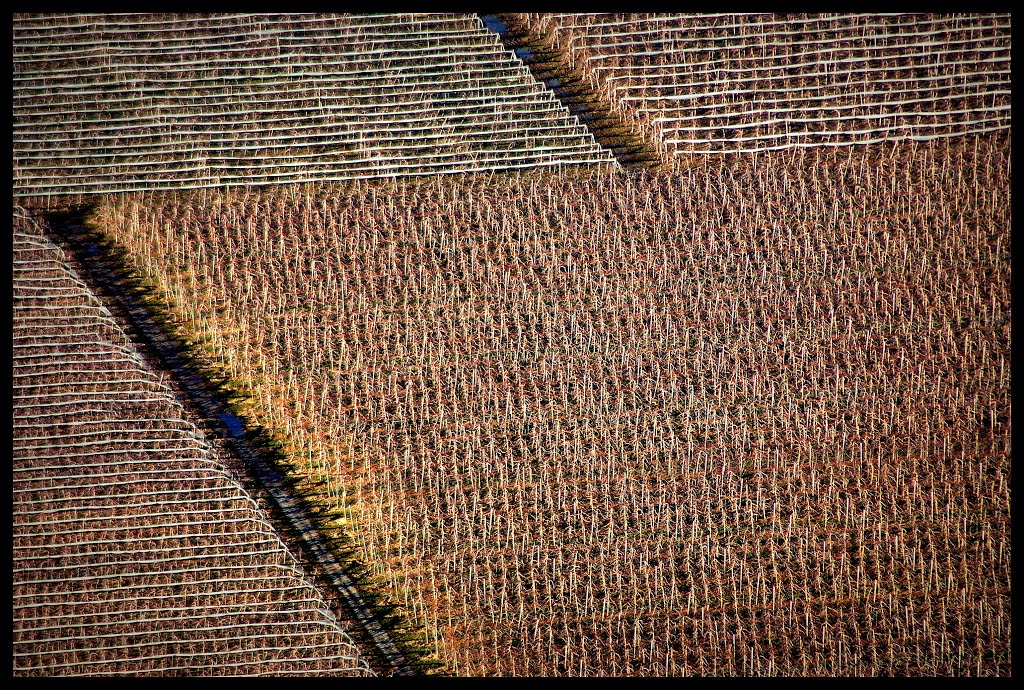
[111, 103]
[738, 405]
[700, 84]
[135, 550]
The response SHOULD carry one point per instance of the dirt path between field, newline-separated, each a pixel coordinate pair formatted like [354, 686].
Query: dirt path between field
[106, 274]
[572, 89]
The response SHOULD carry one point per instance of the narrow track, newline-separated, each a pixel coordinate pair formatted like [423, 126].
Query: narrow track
[108, 276]
[550, 67]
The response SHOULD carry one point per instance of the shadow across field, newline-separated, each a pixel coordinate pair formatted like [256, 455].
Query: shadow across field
[549, 66]
[387, 640]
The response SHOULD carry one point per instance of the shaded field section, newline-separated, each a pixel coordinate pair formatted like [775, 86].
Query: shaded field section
[752, 417]
[550, 66]
[293, 515]
[706, 84]
[135, 550]
[108, 103]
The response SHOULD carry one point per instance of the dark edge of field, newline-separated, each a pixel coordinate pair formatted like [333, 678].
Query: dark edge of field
[389, 642]
[548, 65]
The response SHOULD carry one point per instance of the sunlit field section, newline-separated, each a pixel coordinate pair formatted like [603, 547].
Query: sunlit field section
[748, 418]
[135, 550]
[704, 84]
[121, 102]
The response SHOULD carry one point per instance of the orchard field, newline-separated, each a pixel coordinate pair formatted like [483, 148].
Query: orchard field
[616, 344]
[752, 417]
[708, 84]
